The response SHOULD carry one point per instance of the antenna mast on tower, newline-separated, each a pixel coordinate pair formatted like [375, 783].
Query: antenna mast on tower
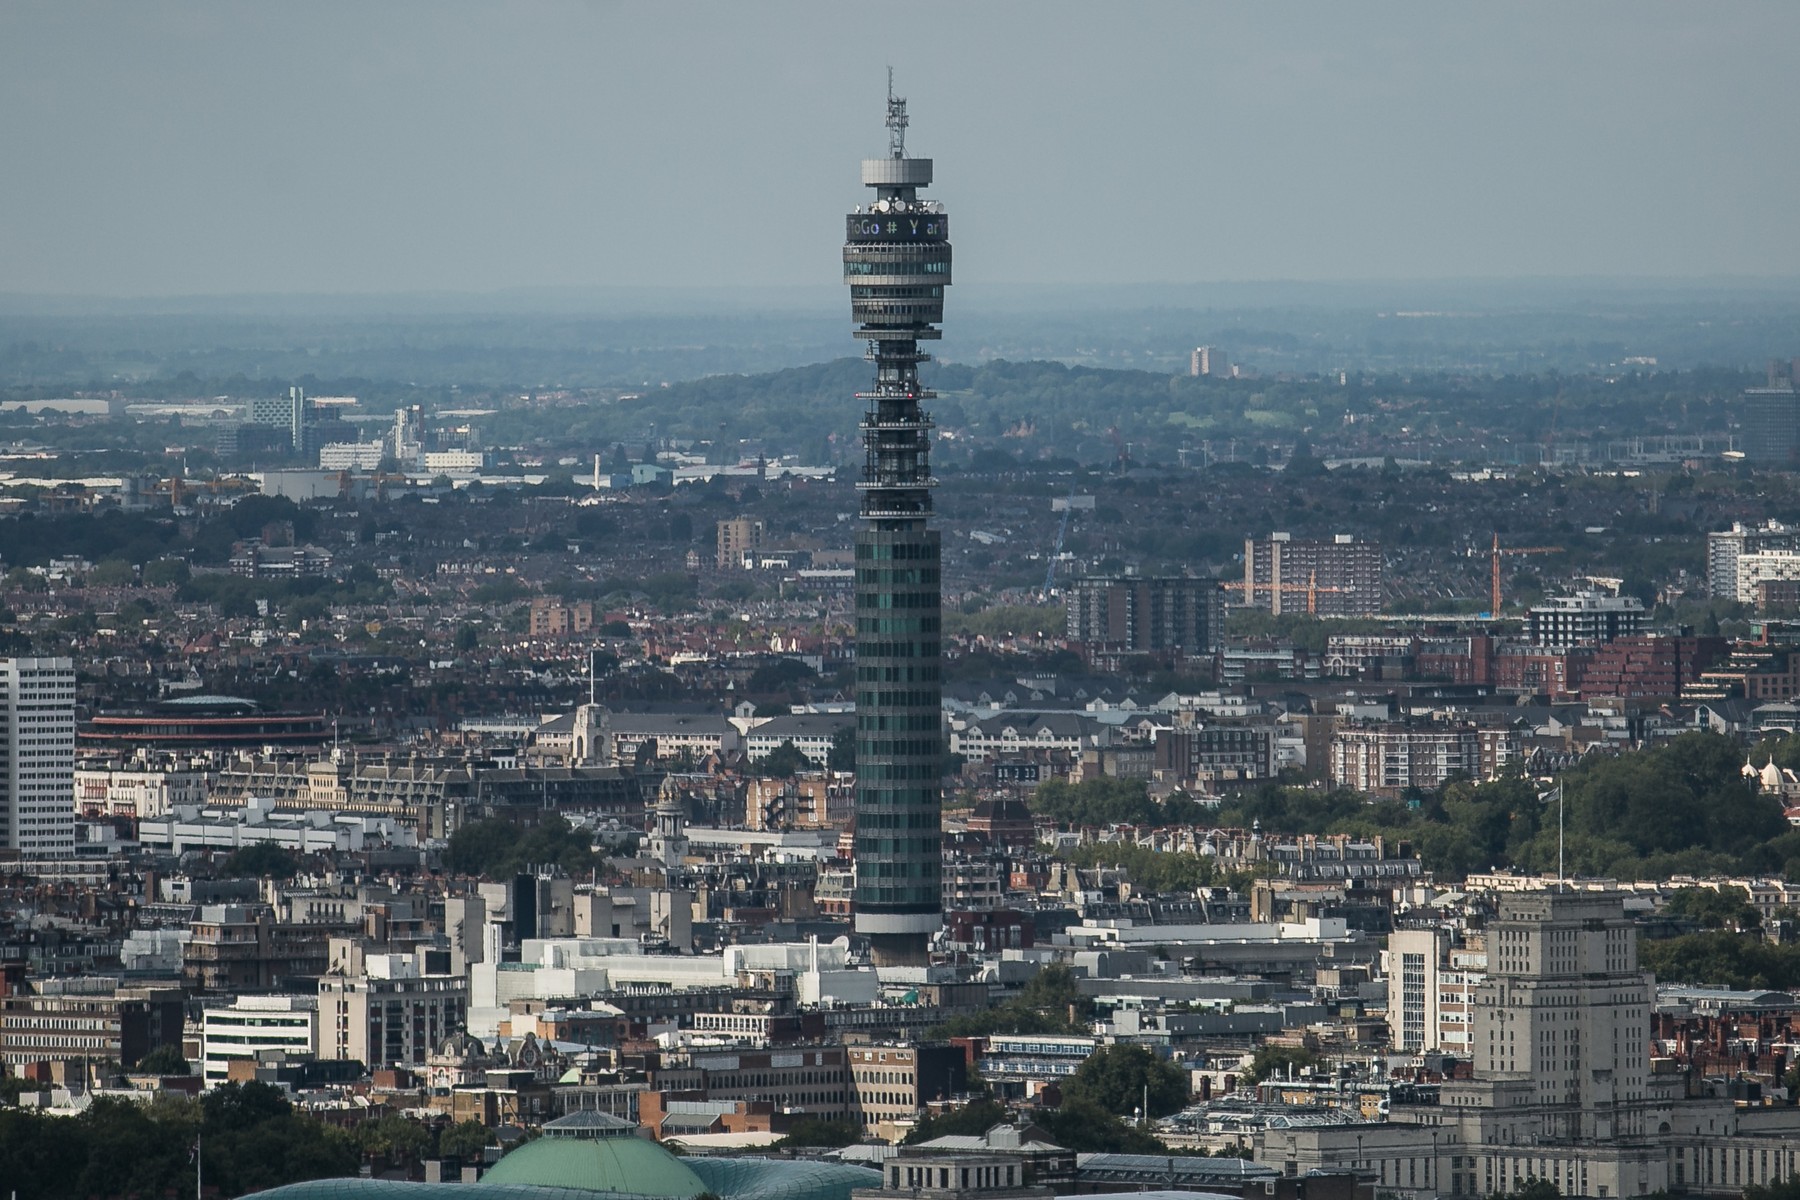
[896, 120]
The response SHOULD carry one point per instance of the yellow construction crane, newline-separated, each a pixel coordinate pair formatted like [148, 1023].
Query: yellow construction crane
[1494, 581]
[1311, 587]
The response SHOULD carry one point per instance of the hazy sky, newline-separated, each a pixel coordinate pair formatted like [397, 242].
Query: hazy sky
[153, 148]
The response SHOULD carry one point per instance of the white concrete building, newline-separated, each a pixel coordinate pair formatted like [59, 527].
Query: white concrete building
[312, 831]
[1431, 992]
[252, 1025]
[568, 968]
[454, 462]
[351, 456]
[37, 756]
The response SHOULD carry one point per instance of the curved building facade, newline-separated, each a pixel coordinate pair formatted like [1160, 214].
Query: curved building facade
[897, 265]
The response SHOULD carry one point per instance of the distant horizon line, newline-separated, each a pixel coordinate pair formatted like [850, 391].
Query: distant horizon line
[828, 295]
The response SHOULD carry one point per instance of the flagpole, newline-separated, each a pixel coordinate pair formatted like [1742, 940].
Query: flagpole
[199, 1188]
[1562, 875]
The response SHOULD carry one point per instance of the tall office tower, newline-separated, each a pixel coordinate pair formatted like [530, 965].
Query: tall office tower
[297, 416]
[37, 756]
[897, 263]
[1771, 425]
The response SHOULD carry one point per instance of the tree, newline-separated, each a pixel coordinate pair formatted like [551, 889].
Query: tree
[842, 755]
[165, 1060]
[394, 1137]
[1270, 1060]
[1122, 1079]
[1050, 1003]
[783, 762]
[1541, 1189]
[1086, 1128]
[464, 1140]
[1716, 908]
[1102, 801]
[971, 1120]
[112, 573]
[260, 860]
[499, 849]
[816, 1131]
[1781, 1189]
[467, 639]
[239, 1106]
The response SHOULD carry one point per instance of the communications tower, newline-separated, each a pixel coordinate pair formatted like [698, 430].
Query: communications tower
[897, 263]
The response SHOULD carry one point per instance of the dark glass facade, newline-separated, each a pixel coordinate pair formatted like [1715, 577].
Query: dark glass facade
[897, 263]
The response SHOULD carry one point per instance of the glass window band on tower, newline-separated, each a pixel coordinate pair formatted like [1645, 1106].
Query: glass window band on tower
[897, 264]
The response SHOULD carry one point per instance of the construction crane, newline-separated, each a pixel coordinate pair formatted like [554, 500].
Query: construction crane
[1494, 581]
[1061, 533]
[1311, 587]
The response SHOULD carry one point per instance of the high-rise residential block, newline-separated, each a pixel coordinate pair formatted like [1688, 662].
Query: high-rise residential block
[37, 756]
[1584, 619]
[1165, 614]
[1338, 576]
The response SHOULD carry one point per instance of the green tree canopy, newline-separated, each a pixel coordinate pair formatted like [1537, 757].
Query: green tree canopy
[1087, 1128]
[783, 762]
[817, 1131]
[499, 849]
[971, 1120]
[1716, 908]
[165, 1060]
[1272, 1060]
[260, 860]
[464, 1140]
[1051, 1002]
[1121, 1078]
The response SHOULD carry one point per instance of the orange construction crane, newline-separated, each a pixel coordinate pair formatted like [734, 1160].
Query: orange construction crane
[1494, 582]
[1311, 587]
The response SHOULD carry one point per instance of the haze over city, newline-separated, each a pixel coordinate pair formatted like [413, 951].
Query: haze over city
[158, 149]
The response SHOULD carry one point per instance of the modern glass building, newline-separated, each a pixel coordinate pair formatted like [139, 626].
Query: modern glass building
[897, 265]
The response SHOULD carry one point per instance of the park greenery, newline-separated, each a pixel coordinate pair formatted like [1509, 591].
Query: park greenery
[500, 849]
[1719, 958]
[1121, 1079]
[1680, 806]
[1715, 908]
[260, 860]
[250, 1137]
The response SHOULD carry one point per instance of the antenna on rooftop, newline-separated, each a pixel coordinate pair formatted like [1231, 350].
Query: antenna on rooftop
[896, 120]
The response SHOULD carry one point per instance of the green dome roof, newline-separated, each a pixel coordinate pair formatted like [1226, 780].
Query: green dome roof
[630, 1165]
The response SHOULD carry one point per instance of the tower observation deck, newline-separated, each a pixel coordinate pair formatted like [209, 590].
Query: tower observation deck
[897, 263]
